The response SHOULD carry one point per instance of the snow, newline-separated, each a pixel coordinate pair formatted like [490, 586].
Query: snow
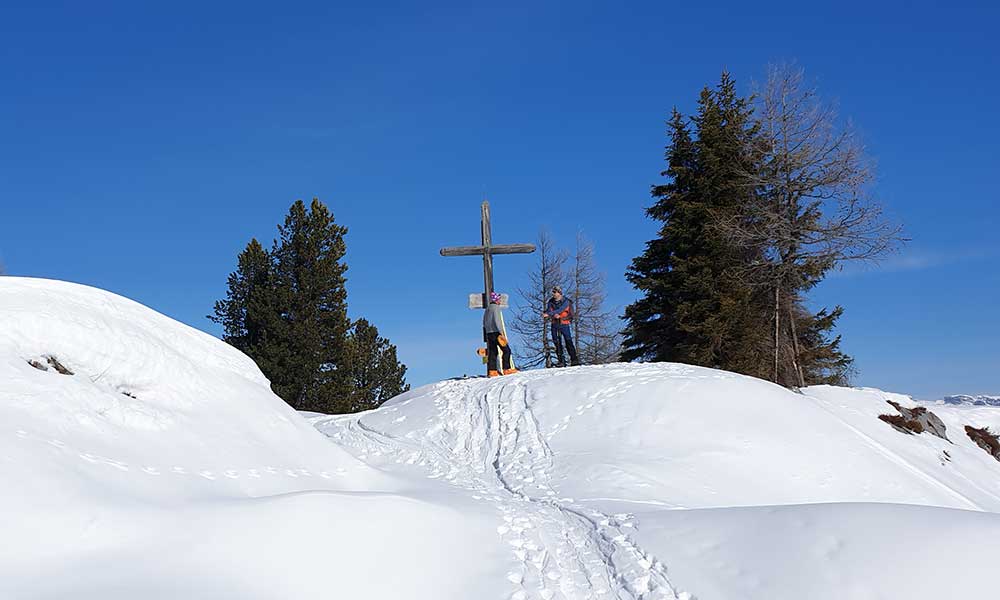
[205, 485]
[855, 551]
[637, 481]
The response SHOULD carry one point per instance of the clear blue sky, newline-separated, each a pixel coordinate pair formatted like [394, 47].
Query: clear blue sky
[143, 144]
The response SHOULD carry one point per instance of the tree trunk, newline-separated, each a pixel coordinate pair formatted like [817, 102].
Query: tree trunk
[545, 345]
[576, 326]
[777, 337]
[795, 349]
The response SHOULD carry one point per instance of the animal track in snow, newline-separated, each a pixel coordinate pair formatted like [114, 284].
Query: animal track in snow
[206, 474]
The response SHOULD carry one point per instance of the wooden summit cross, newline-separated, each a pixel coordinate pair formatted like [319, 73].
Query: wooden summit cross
[487, 250]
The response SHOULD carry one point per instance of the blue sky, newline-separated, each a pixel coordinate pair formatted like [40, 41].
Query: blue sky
[143, 144]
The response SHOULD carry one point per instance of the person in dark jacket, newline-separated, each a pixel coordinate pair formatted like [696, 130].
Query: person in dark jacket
[560, 312]
[496, 341]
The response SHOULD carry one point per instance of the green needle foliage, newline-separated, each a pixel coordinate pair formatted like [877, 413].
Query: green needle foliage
[287, 309]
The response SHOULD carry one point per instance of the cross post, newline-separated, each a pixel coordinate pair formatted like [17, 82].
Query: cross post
[487, 250]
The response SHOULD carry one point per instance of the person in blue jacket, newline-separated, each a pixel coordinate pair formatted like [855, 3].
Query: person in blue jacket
[560, 312]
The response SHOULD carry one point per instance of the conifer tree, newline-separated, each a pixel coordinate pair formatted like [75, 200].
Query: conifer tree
[693, 309]
[306, 313]
[376, 374]
[653, 329]
[758, 206]
[819, 356]
[287, 309]
[250, 280]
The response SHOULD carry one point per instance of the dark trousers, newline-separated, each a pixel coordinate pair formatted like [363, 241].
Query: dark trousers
[561, 332]
[492, 348]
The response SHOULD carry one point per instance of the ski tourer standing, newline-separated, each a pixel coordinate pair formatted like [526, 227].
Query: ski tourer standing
[496, 341]
[560, 312]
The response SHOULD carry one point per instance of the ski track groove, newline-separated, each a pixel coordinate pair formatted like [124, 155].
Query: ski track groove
[499, 453]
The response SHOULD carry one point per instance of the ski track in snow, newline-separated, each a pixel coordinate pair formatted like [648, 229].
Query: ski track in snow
[497, 453]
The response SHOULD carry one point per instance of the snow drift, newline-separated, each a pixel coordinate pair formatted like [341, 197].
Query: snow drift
[165, 467]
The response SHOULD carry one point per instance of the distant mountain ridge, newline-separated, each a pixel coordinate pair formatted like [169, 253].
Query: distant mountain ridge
[976, 400]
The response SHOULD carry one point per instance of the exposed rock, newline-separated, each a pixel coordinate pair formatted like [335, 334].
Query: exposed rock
[915, 420]
[985, 439]
[902, 425]
[58, 366]
[53, 362]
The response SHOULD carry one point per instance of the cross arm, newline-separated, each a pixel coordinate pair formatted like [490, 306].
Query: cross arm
[480, 250]
[512, 249]
[463, 251]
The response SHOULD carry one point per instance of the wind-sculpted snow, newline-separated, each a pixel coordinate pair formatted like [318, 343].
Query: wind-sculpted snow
[155, 462]
[164, 467]
[144, 382]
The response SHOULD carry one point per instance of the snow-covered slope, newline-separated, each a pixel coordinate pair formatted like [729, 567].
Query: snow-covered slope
[622, 481]
[164, 467]
[639, 467]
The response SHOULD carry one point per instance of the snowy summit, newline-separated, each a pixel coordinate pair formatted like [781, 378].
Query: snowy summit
[145, 459]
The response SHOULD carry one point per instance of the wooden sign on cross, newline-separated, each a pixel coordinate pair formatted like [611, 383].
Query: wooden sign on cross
[487, 250]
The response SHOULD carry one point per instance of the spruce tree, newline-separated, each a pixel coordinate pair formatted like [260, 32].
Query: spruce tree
[820, 357]
[653, 329]
[287, 309]
[694, 308]
[375, 372]
[308, 310]
[250, 280]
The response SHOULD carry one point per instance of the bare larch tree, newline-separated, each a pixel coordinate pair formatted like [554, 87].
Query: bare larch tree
[595, 329]
[535, 348]
[813, 210]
